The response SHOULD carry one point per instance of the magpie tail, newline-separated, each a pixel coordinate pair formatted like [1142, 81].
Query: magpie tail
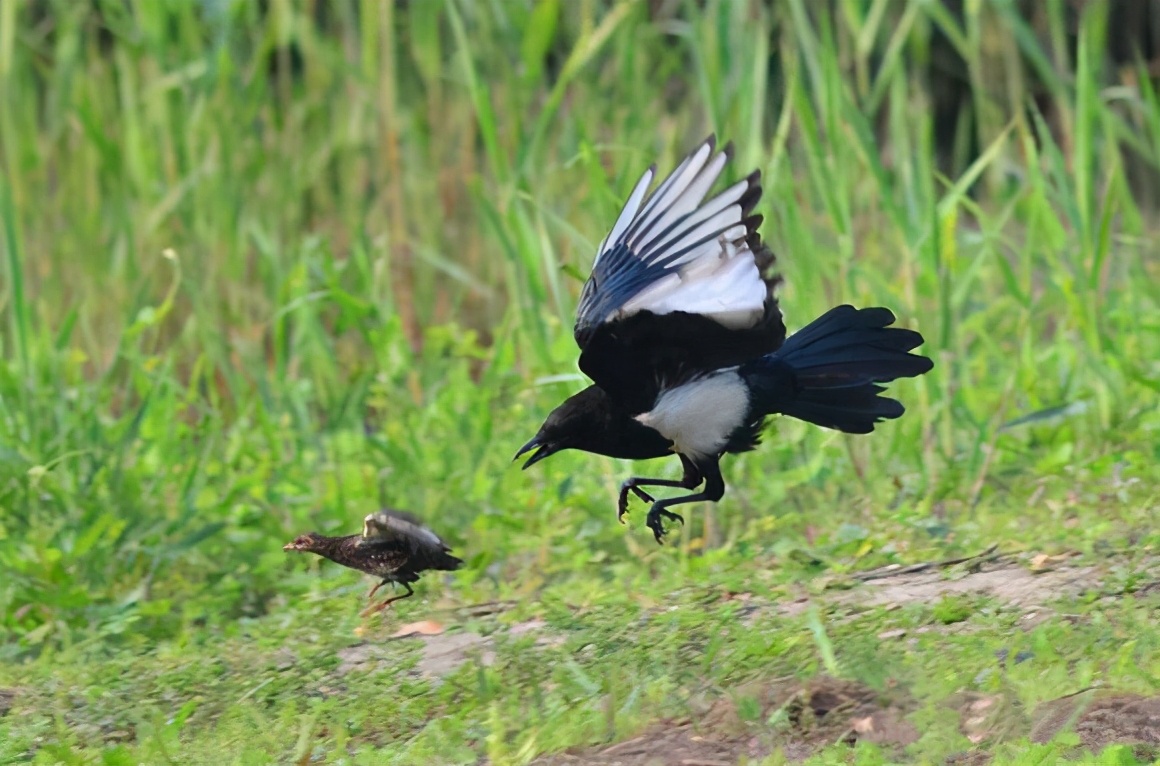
[828, 372]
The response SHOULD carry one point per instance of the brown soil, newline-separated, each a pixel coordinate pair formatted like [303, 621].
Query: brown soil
[1100, 718]
[807, 718]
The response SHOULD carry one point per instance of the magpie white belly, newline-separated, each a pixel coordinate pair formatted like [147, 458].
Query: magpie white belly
[699, 416]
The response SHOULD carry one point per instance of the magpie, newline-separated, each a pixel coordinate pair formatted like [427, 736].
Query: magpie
[681, 333]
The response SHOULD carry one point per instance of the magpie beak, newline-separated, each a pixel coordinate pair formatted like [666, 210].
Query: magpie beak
[543, 450]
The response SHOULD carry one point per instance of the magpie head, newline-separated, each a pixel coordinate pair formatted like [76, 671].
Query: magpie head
[543, 447]
[556, 434]
[578, 423]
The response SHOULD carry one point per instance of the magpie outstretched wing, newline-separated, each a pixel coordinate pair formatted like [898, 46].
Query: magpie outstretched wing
[680, 285]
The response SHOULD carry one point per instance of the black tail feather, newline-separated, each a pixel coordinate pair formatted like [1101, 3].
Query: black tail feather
[827, 373]
[446, 562]
[851, 410]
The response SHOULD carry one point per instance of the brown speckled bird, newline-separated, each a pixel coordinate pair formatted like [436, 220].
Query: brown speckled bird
[394, 545]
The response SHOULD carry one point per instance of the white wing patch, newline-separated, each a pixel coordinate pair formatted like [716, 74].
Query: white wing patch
[699, 416]
[690, 255]
[629, 212]
[724, 285]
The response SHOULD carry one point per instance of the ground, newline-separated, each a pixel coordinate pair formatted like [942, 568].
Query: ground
[983, 658]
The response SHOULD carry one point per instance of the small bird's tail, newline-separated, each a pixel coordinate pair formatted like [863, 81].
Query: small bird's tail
[446, 562]
[826, 373]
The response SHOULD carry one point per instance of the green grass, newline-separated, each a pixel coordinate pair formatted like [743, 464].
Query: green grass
[261, 273]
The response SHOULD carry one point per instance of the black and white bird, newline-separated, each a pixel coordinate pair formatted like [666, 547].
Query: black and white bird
[684, 341]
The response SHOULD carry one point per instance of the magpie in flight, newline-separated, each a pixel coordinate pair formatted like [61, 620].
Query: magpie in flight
[681, 334]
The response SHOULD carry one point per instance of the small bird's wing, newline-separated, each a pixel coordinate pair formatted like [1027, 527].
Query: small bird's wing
[382, 558]
[679, 285]
[399, 528]
[390, 524]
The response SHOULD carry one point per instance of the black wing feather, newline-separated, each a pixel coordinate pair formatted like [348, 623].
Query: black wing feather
[632, 356]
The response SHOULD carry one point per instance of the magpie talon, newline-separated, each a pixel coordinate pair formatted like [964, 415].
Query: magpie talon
[622, 503]
[654, 522]
[658, 530]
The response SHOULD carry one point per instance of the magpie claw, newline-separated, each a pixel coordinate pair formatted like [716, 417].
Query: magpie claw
[657, 528]
[622, 504]
[654, 522]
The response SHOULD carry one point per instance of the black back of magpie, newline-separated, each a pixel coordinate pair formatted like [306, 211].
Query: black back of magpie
[682, 336]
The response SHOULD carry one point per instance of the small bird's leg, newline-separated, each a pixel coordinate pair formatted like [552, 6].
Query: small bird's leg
[380, 607]
[378, 585]
[691, 479]
[714, 490]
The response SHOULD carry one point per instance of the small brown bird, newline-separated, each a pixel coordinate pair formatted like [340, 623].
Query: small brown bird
[394, 545]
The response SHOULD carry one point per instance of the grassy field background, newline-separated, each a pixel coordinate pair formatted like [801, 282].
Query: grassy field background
[267, 266]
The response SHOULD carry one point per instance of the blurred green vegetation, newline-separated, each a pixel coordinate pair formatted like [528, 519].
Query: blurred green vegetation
[265, 266]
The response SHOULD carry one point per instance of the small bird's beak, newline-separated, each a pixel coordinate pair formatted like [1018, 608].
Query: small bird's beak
[543, 450]
[291, 547]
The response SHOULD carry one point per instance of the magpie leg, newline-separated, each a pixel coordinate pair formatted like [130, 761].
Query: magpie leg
[380, 607]
[713, 491]
[633, 484]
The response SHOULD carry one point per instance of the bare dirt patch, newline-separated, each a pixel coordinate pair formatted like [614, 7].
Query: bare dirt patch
[664, 745]
[442, 654]
[1101, 718]
[1015, 583]
[1005, 580]
[797, 719]
[443, 651]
